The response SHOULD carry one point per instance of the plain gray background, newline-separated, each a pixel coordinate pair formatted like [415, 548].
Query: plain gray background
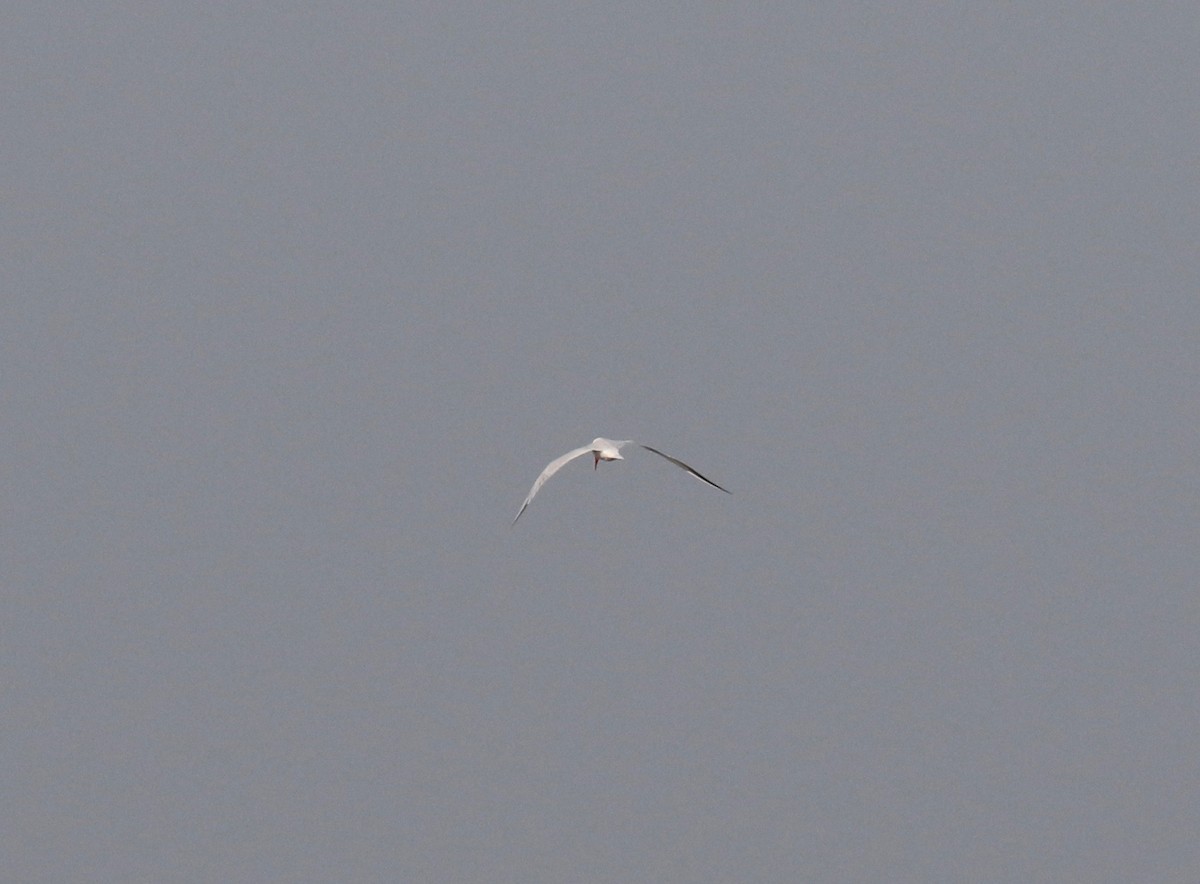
[298, 299]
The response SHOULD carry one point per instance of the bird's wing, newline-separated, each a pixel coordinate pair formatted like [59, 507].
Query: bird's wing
[551, 468]
[680, 463]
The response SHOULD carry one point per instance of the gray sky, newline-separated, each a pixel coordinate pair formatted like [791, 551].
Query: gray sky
[299, 300]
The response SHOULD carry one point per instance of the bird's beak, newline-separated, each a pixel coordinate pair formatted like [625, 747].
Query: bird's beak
[595, 459]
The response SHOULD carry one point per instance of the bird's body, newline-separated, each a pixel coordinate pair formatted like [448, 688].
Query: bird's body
[601, 449]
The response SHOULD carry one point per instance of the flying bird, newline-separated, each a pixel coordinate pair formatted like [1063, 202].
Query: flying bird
[602, 449]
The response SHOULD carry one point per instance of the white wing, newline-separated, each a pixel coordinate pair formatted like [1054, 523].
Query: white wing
[551, 468]
[682, 465]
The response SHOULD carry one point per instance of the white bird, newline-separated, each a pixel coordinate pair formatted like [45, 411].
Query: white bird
[602, 449]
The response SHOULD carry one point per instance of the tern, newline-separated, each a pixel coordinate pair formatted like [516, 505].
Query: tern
[602, 449]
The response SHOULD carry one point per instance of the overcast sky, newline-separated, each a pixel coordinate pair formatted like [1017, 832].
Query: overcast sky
[298, 299]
